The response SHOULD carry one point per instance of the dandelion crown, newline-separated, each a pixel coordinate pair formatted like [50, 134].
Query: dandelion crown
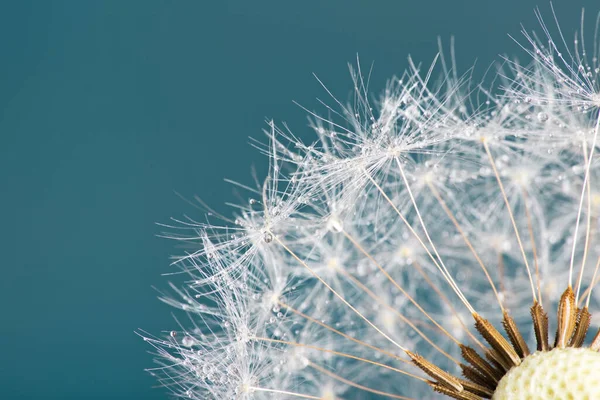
[441, 241]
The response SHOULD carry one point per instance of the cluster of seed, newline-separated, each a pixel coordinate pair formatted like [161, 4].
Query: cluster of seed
[357, 266]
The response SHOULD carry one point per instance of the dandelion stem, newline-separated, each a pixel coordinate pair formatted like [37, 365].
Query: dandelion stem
[337, 353]
[593, 282]
[512, 218]
[585, 180]
[446, 276]
[448, 303]
[437, 195]
[339, 296]
[342, 334]
[412, 198]
[587, 227]
[533, 244]
[406, 320]
[356, 385]
[303, 396]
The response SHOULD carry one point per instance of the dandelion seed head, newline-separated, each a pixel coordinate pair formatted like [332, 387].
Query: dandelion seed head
[443, 230]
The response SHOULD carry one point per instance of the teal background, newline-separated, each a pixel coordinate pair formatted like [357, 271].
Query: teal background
[107, 108]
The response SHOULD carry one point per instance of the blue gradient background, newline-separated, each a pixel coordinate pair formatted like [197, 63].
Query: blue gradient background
[109, 107]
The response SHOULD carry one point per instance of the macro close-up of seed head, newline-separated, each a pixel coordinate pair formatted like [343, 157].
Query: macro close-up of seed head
[438, 240]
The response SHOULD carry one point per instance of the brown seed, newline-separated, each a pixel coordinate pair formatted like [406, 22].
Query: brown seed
[480, 364]
[498, 361]
[567, 317]
[584, 318]
[496, 340]
[441, 376]
[477, 389]
[510, 327]
[540, 326]
[475, 376]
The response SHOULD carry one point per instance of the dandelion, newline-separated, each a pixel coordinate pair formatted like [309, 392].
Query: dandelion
[440, 242]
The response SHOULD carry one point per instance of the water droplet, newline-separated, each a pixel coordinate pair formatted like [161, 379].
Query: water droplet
[334, 224]
[268, 237]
